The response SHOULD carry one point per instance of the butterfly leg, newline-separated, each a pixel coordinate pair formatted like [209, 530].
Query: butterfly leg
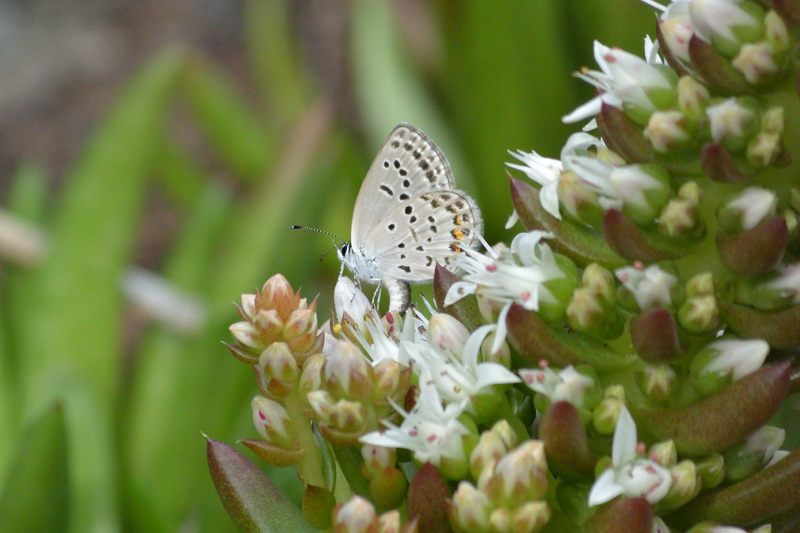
[399, 294]
[376, 297]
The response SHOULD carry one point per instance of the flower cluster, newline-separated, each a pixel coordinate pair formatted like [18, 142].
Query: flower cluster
[609, 369]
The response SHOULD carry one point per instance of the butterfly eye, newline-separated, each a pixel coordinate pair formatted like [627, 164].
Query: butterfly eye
[345, 248]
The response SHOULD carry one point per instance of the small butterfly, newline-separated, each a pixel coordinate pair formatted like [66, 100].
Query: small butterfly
[408, 216]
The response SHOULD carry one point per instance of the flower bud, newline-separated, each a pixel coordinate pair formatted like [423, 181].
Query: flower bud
[357, 515]
[699, 314]
[279, 364]
[273, 423]
[277, 294]
[685, 485]
[322, 404]
[447, 334]
[700, 285]
[604, 416]
[501, 520]
[302, 323]
[711, 470]
[489, 450]
[651, 286]
[348, 417]
[346, 372]
[664, 453]
[657, 382]
[585, 312]
[763, 149]
[693, 98]
[519, 476]
[376, 458]
[747, 209]
[470, 508]
[388, 488]
[733, 122]
[668, 130]
[727, 360]
[311, 377]
[531, 517]
[348, 299]
[679, 218]
[578, 200]
[754, 453]
[557, 291]
[247, 335]
[600, 282]
[390, 382]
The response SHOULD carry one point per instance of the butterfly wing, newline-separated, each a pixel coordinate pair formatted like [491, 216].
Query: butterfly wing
[416, 234]
[408, 165]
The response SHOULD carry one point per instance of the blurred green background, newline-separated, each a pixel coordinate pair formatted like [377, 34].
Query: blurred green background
[153, 156]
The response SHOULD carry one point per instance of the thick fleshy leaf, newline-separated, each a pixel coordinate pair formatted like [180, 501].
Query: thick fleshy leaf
[718, 164]
[252, 501]
[534, 341]
[715, 70]
[572, 240]
[271, 454]
[623, 136]
[757, 250]
[771, 492]
[655, 335]
[565, 444]
[789, 10]
[465, 309]
[724, 418]
[632, 243]
[778, 328]
[427, 500]
[632, 515]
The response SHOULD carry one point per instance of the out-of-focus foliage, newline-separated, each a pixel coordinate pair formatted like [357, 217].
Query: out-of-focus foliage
[98, 434]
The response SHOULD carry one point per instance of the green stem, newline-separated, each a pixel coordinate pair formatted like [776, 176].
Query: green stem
[310, 466]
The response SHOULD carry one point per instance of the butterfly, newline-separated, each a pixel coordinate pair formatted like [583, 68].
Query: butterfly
[408, 217]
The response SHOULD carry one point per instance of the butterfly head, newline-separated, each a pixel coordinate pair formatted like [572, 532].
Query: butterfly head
[344, 253]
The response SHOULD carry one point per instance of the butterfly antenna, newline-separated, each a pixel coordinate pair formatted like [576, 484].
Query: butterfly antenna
[317, 230]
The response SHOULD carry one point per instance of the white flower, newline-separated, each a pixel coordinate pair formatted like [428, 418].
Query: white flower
[382, 345]
[431, 431]
[755, 204]
[615, 185]
[565, 385]
[546, 172]
[460, 379]
[788, 282]
[729, 119]
[766, 440]
[650, 286]
[623, 79]
[718, 18]
[629, 475]
[739, 357]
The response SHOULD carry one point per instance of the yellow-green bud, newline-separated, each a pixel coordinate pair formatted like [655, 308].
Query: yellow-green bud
[711, 470]
[664, 453]
[273, 423]
[531, 517]
[693, 98]
[685, 485]
[699, 314]
[470, 508]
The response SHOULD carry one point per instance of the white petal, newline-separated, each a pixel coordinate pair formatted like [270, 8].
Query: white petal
[494, 374]
[548, 196]
[459, 290]
[469, 354]
[623, 449]
[500, 334]
[604, 489]
[584, 111]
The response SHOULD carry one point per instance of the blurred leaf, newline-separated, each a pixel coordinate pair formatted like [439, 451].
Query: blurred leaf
[233, 129]
[152, 409]
[508, 84]
[252, 501]
[71, 345]
[34, 496]
[388, 89]
[273, 58]
[180, 176]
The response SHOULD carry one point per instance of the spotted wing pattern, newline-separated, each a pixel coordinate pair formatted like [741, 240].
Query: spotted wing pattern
[408, 165]
[422, 231]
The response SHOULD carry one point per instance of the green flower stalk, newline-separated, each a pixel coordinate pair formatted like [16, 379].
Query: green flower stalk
[615, 366]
